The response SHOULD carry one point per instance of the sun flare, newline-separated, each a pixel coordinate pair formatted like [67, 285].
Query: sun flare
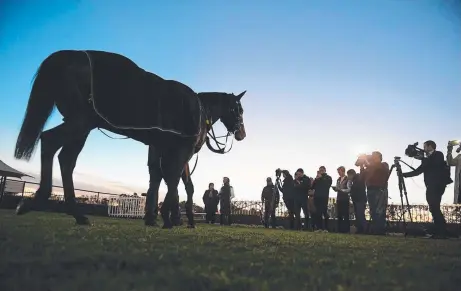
[361, 149]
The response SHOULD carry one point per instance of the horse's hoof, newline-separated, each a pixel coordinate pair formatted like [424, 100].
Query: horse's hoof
[23, 207]
[82, 220]
[167, 226]
[191, 226]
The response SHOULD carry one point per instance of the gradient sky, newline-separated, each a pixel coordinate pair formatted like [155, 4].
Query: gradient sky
[326, 80]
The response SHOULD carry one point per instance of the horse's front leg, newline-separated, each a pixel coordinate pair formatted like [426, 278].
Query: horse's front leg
[186, 178]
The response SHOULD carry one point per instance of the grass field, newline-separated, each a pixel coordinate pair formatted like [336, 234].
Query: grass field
[46, 251]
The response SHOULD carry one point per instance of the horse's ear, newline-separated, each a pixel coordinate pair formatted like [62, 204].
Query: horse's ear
[239, 96]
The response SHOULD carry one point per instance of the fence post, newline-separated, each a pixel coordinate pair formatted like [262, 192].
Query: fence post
[97, 198]
[23, 189]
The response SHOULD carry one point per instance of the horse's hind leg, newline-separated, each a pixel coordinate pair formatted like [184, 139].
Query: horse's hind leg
[67, 160]
[171, 202]
[155, 174]
[51, 142]
[190, 194]
[172, 166]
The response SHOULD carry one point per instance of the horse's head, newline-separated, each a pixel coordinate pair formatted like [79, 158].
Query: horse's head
[232, 115]
[228, 108]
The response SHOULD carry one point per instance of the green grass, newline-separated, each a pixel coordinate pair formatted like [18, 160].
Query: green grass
[46, 251]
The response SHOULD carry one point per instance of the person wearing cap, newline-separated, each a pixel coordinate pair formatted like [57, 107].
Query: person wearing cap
[270, 199]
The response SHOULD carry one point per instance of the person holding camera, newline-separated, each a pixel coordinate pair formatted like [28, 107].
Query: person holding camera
[342, 201]
[302, 184]
[436, 177]
[321, 188]
[375, 173]
[455, 162]
[270, 199]
[287, 188]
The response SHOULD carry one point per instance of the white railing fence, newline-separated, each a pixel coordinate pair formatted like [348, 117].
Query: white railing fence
[133, 207]
[127, 207]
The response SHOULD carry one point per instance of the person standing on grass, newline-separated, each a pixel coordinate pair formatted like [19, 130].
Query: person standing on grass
[302, 184]
[226, 194]
[342, 201]
[455, 162]
[270, 200]
[436, 178]
[375, 172]
[321, 188]
[357, 188]
[287, 188]
[211, 201]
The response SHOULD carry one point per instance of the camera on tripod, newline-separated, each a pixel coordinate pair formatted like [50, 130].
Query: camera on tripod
[405, 205]
[413, 151]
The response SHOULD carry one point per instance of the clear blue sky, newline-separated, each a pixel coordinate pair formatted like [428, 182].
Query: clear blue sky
[326, 79]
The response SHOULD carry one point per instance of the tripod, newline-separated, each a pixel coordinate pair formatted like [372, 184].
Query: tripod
[403, 191]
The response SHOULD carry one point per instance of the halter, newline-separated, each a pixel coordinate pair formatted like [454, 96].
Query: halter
[211, 134]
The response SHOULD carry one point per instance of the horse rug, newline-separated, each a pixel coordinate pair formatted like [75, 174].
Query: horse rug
[128, 97]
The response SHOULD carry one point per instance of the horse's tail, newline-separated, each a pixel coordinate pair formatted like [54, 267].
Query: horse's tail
[39, 108]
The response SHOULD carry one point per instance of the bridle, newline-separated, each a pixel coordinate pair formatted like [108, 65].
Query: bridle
[220, 145]
[236, 113]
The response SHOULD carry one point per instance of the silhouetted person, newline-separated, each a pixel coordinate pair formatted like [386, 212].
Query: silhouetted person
[455, 162]
[287, 188]
[342, 201]
[436, 177]
[270, 199]
[321, 187]
[225, 197]
[375, 172]
[302, 184]
[357, 190]
[211, 201]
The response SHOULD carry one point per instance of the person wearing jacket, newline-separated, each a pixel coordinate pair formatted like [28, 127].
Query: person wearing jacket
[270, 199]
[288, 197]
[357, 189]
[321, 187]
[375, 173]
[436, 179]
[302, 184]
[211, 201]
[342, 201]
[226, 194]
[455, 162]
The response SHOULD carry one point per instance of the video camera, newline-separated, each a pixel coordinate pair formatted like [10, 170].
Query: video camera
[362, 160]
[413, 151]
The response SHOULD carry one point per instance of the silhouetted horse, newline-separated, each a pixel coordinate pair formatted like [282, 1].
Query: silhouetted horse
[94, 89]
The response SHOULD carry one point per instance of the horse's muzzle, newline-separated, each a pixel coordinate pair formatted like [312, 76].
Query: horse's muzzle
[240, 134]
